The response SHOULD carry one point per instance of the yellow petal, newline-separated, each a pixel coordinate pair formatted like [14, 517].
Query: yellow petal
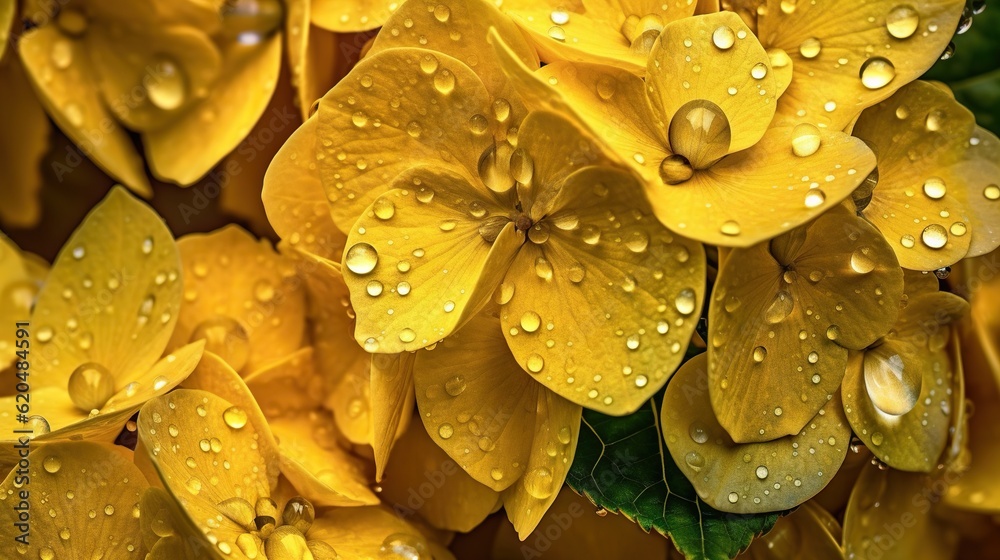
[213, 375]
[363, 532]
[288, 385]
[218, 123]
[725, 62]
[82, 480]
[783, 315]
[208, 461]
[163, 376]
[808, 532]
[241, 296]
[391, 402]
[978, 172]
[477, 404]
[375, 125]
[112, 296]
[165, 530]
[346, 17]
[17, 294]
[925, 193]
[977, 490]
[581, 535]
[152, 64]
[319, 468]
[428, 262]
[23, 142]
[891, 511]
[459, 29]
[764, 191]
[557, 427]
[748, 477]
[423, 481]
[846, 63]
[343, 366]
[310, 54]
[898, 394]
[7, 10]
[294, 198]
[74, 102]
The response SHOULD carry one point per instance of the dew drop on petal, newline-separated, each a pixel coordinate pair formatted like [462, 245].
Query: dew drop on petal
[806, 140]
[361, 258]
[723, 37]
[902, 21]
[934, 236]
[877, 72]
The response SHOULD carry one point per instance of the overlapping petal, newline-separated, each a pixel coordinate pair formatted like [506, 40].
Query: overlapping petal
[784, 315]
[748, 477]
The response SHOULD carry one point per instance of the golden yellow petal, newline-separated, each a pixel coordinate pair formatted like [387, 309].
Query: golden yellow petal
[250, 75]
[166, 531]
[23, 142]
[164, 375]
[477, 404]
[391, 403]
[356, 15]
[764, 191]
[8, 8]
[74, 101]
[616, 297]
[783, 315]
[459, 29]
[890, 515]
[92, 505]
[976, 490]
[581, 535]
[288, 385]
[204, 460]
[975, 174]
[152, 63]
[748, 477]
[112, 296]
[858, 57]
[213, 375]
[17, 294]
[294, 198]
[923, 200]
[419, 263]
[375, 124]
[557, 427]
[310, 54]
[317, 466]
[241, 296]
[725, 62]
[808, 532]
[362, 533]
[423, 481]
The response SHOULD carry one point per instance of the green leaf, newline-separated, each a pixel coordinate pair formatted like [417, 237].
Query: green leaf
[622, 465]
[974, 71]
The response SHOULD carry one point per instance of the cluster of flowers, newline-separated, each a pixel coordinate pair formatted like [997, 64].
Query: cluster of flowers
[504, 214]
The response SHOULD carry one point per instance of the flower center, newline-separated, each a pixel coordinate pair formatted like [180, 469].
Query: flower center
[522, 222]
[700, 132]
[641, 32]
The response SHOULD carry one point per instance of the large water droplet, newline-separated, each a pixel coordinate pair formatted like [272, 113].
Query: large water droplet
[235, 417]
[361, 258]
[810, 48]
[780, 308]
[892, 386]
[902, 21]
[90, 386]
[935, 188]
[877, 72]
[934, 236]
[723, 37]
[539, 483]
[168, 89]
[700, 132]
[863, 260]
[806, 140]
[675, 169]
[685, 301]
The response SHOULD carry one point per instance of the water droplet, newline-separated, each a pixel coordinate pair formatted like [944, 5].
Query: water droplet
[877, 438]
[761, 472]
[759, 354]
[441, 13]
[521, 166]
[810, 48]
[863, 260]
[934, 120]
[478, 124]
[695, 461]
[698, 433]
[539, 483]
[733, 497]
[543, 269]
[935, 188]
[383, 208]
[685, 301]
[723, 37]
[958, 229]
[530, 321]
[992, 192]
[444, 81]
[169, 90]
[675, 169]
[535, 363]
[815, 198]
[557, 33]
[403, 288]
[407, 335]
[780, 308]
[576, 273]
[892, 387]
[700, 131]
[806, 140]
[730, 227]
[934, 236]
[877, 72]
[235, 417]
[62, 54]
[90, 386]
[374, 288]
[361, 258]
[902, 21]
[52, 464]
[759, 71]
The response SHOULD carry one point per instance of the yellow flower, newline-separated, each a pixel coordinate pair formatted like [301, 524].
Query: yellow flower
[502, 426]
[100, 325]
[84, 503]
[697, 130]
[848, 56]
[21, 276]
[904, 394]
[207, 454]
[761, 476]
[935, 195]
[589, 278]
[240, 296]
[784, 315]
[168, 70]
[615, 32]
